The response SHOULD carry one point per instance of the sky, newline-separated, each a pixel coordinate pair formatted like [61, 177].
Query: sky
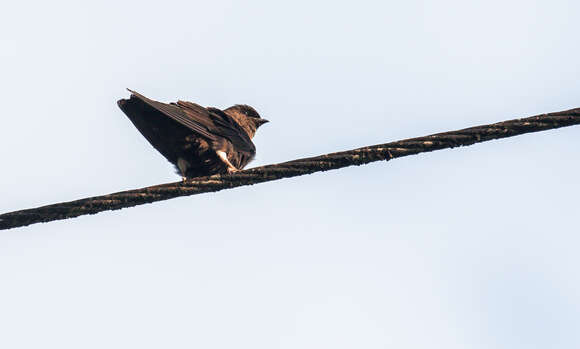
[471, 247]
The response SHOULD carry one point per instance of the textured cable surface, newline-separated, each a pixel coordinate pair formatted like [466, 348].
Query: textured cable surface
[359, 156]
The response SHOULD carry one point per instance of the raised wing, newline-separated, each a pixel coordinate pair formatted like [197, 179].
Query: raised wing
[207, 122]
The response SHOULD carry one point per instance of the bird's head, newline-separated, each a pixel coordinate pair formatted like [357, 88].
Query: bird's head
[247, 117]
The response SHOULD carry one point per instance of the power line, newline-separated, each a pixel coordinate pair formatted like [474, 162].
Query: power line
[289, 169]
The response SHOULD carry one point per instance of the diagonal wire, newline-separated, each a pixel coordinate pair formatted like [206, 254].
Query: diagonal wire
[288, 169]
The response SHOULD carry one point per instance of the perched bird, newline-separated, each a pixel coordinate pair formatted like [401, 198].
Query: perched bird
[198, 141]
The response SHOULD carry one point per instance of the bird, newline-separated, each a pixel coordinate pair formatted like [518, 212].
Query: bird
[198, 141]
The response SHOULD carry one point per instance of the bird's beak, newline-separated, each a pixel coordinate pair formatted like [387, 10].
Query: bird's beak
[262, 122]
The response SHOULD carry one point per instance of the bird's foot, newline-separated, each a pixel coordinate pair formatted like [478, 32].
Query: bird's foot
[232, 169]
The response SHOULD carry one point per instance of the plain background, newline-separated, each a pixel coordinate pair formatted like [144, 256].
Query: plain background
[466, 248]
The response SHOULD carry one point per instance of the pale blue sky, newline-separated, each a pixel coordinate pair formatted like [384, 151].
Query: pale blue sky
[464, 248]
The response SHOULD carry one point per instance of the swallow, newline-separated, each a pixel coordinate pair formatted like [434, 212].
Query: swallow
[198, 141]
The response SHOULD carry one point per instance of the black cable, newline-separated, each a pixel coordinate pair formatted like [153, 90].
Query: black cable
[293, 168]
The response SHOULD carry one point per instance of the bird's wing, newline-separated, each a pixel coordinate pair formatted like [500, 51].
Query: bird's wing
[196, 118]
[207, 122]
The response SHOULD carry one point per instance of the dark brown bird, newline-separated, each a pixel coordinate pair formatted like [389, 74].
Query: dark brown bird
[198, 141]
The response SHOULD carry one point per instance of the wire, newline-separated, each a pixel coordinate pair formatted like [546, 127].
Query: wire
[289, 169]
